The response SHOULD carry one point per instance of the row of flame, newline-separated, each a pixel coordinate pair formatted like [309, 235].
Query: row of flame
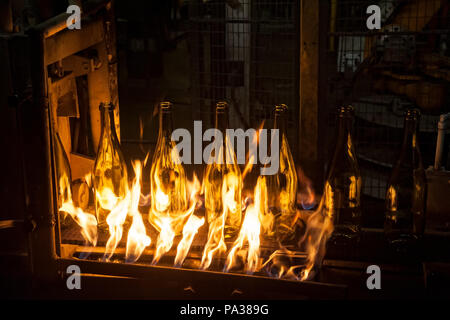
[319, 227]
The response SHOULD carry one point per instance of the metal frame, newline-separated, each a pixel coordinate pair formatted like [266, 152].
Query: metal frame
[38, 128]
[49, 256]
[172, 283]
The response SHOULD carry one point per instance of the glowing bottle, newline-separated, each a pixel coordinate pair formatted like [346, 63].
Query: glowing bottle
[223, 181]
[167, 177]
[281, 193]
[110, 170]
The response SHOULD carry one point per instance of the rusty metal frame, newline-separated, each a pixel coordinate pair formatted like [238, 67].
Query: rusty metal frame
[39, 158]
[170, 283]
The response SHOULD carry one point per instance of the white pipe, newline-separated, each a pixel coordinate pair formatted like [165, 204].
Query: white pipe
[443, 126]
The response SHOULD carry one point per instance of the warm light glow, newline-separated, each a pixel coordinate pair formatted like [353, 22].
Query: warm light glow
[223, 187]
[165, 238]
[216, 238]
[115, 220]
[137, 239]
[169, 198]
[175, 216]
[189, 231]
[86, 221]
[168, 220]
[250, 233]
[391, 198]
[319, 228]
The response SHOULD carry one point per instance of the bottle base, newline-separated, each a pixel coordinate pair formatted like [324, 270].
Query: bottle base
[345, 235]
[402, 243]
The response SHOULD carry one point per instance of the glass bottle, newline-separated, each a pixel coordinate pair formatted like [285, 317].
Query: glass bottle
[407, 188]
[63, 176]
[110, 170]
[167, 177]
[223, 181]
[342, 193]
[281, 188]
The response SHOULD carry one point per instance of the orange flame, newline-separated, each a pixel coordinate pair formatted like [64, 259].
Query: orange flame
[115, 220]
[189, 231]
[249, 233]
[120, 209]
[215, 243]
[279, 267]
[223, 186]
[216, 232]
[86, 221]
[137, 239]
[167, 218]
[165, 238]
[319, 228]
[168, 189]
[166, 223]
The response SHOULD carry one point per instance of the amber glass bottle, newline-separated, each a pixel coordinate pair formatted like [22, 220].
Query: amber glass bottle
[342, 192]
[167, 177]
[281, 188]
[110, 170]
[223, 181]
[407, 188]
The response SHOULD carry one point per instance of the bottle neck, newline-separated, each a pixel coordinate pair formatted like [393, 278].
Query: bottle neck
[165, 124]
[345, 124]
[280, 123]
[222, 125]
[410, 133]
[222, 121]
[108, 125]
[344, 157]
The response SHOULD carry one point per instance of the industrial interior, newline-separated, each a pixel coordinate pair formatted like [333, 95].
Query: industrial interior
[89, 114]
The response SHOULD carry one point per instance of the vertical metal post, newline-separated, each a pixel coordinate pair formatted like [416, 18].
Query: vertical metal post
[309, 86]
[38, 166]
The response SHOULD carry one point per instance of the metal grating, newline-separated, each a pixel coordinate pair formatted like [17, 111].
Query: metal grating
[383, 72]
[247, 53]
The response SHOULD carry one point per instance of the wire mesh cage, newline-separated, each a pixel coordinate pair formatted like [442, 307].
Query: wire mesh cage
[382, 72]
[247, 53]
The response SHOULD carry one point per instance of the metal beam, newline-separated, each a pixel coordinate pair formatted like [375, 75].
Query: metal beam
[167, 282]
[309, 80]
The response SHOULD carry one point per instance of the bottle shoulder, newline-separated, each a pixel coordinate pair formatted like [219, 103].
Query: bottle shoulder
[109, 152]
[344, 164]
[404, 174]
[165, 167]
[222, 170]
